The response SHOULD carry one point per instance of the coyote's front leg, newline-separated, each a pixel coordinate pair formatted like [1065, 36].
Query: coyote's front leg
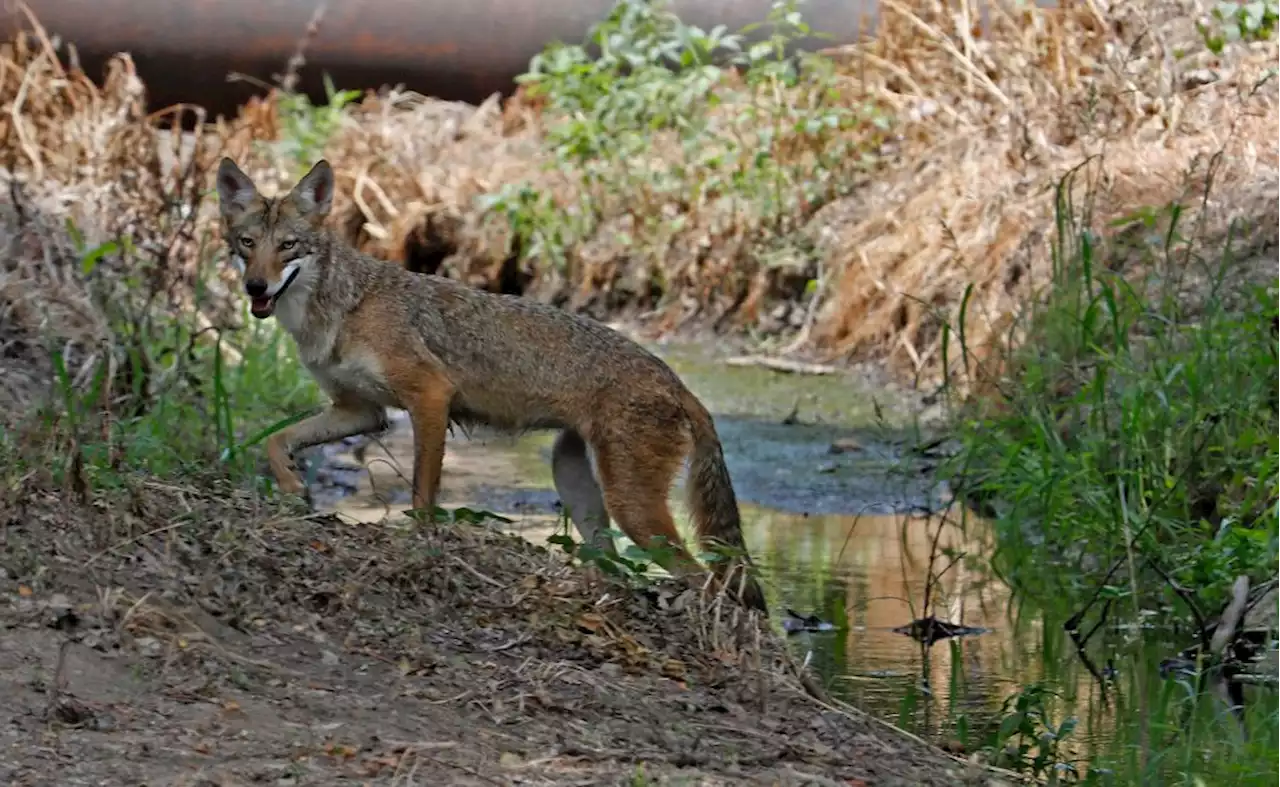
[342, 419]
[429, 413]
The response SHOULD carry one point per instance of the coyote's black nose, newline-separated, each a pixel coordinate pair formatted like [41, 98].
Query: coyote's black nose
[256, 287]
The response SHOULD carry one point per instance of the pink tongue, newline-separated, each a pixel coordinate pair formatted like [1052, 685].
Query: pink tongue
[261, 304]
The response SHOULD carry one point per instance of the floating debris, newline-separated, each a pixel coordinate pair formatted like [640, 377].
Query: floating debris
[929, 630]
[794, 623]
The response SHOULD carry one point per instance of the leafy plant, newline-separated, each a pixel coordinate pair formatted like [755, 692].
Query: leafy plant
[1249, 21]
[307, 127]
[662, 125]
[461, 515]
[1133, 445]
[632, 563]
[1027, 740]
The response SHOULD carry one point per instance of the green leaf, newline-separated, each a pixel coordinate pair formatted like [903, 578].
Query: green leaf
[90, 261]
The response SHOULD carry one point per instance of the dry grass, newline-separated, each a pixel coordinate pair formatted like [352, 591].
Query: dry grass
[970, 200]
[985, 125]
[85, 168]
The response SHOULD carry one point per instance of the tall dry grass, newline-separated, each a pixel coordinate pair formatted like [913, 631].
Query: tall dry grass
[957, 208]
[81, 168]
[1002, 118]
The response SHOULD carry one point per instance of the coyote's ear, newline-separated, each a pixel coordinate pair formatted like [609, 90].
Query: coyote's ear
[313, 196]
[235, 190]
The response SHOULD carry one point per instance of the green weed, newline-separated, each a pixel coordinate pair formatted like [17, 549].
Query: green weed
[462, 515]
[159, 400]
[1130, 425]
[660, 135]
[1028, 741]
[634, 563]
[1234, 21]
[1133, 448]
[307, 127]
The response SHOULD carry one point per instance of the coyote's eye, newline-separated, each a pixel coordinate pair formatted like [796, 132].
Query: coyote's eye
[246, 241]
[288, 244]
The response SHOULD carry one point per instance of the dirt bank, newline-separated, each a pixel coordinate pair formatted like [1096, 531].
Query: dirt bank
[194, 634]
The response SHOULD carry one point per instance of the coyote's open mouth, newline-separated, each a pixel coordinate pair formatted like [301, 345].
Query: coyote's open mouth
[264, 306]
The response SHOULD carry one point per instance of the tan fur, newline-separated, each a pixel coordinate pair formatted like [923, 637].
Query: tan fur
[375, 336]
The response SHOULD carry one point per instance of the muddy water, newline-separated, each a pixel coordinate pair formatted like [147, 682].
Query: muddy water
[823, 468]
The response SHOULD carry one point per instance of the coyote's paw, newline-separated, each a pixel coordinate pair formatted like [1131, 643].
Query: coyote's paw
[291, 483]
[284, 468]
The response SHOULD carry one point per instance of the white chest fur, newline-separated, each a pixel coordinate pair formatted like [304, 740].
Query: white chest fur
[291, 311]
[358, 375]
[339, 370]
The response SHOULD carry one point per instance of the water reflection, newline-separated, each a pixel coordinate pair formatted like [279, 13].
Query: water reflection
[868, 575]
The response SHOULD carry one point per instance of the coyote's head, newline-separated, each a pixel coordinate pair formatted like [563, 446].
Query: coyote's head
[272, 241]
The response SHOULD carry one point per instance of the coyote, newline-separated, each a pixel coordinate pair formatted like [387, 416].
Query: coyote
[375, 335]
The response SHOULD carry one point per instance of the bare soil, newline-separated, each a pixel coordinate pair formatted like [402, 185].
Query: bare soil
[198, 634]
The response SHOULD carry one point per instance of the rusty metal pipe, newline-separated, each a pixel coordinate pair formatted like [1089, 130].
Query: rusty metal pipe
[453, 49]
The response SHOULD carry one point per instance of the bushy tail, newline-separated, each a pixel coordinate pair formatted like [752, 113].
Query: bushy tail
[716, 519]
